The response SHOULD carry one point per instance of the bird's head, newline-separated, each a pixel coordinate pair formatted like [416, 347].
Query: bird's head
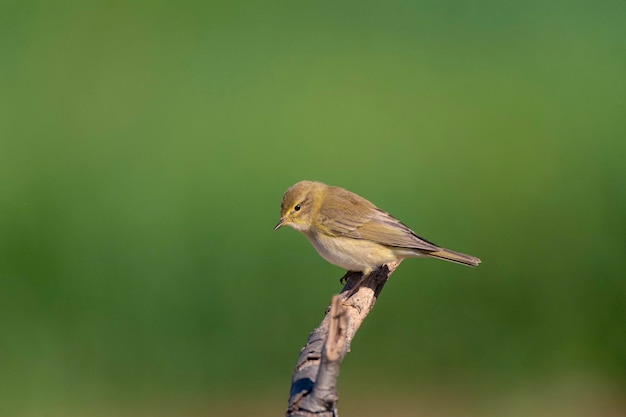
[299, 202]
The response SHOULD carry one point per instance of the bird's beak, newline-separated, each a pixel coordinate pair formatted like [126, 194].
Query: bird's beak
[280, 224]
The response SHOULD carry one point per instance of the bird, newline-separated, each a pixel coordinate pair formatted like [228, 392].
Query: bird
[349, 231]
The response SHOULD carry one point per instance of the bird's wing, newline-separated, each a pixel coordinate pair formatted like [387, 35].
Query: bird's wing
[343, 212]
[385, 229]
[351, 215]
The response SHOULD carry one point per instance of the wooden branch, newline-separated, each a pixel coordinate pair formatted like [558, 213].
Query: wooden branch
[314, 381]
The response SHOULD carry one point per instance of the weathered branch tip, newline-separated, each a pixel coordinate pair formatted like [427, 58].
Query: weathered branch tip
[314, 381]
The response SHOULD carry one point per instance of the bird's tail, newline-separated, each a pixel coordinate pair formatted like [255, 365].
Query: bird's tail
[457, 257]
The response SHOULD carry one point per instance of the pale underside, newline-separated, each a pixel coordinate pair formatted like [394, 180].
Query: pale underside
[358, 254]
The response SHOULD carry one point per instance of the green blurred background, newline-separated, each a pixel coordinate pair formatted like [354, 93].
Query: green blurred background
[145, 147]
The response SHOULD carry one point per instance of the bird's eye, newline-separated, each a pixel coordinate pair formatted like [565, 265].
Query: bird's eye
[297, 207]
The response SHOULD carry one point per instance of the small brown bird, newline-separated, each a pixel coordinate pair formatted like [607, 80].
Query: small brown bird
[349, 231]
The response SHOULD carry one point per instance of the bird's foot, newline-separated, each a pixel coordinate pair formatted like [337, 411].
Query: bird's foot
[357, 285]
[344, 279]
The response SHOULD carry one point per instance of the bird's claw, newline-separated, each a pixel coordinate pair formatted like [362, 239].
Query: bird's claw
[344, 279]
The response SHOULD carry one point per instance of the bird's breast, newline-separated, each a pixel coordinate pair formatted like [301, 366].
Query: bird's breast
[351, 254]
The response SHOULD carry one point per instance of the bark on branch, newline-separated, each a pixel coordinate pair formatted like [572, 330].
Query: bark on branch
[314, 381]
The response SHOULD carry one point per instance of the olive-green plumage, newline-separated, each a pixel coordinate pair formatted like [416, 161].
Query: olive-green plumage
[351, 232]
